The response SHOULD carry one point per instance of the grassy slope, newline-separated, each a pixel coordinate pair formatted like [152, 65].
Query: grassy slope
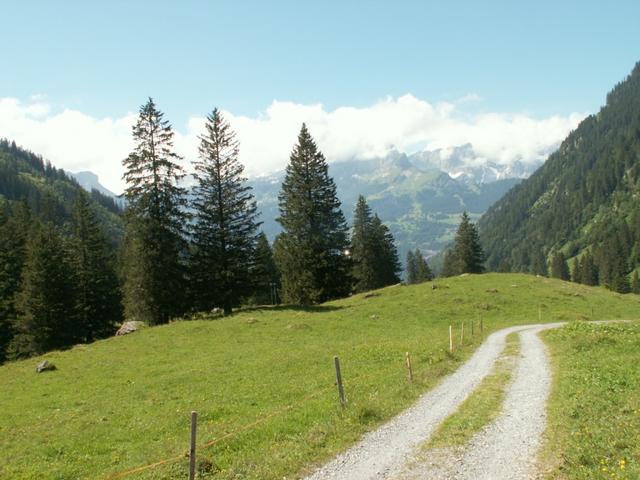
[124, 402]
[594, 409]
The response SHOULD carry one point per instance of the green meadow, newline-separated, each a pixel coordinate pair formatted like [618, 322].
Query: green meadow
[594, 409]
[262, 380]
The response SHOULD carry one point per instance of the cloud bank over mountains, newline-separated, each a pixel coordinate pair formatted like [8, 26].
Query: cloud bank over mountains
[76, 141]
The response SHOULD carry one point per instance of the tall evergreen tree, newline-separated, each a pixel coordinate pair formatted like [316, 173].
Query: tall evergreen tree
[14, 228]
[539, 264]
[373, 251]
[363, 254]
[588, 269]
[154, 245]
[559, 268]
[386, 254]
[411, 268]
[423, 272]
[265, 275]
[466, 255]
[635, 282]
[46, 302]
[575, 270]
[224, 232]
[310, 252]
[98, 305]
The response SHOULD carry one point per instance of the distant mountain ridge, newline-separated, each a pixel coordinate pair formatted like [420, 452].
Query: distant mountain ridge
[420, 203]
[463, 163]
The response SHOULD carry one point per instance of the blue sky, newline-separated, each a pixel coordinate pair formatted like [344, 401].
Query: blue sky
[103, 59]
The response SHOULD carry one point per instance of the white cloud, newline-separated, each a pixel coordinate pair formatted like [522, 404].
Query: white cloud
[76, 141]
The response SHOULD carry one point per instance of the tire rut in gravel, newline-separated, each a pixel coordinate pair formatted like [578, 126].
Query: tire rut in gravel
[507, 448]
[385, 452]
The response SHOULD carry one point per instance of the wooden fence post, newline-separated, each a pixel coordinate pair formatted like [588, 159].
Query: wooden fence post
[343, 400]
[462, 333]
[481, 325]
[450, 339]
[192, 446]
[409, 367]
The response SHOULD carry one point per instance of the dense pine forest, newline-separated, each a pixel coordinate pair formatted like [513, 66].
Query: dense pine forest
[578, 216]
[58, 281]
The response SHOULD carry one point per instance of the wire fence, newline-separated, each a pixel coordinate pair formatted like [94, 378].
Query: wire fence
[356, 382]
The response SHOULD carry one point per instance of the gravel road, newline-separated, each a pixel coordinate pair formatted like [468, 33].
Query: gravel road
[506, 448]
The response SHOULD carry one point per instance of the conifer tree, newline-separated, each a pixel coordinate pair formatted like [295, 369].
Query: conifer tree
[154, 245]
[635, 282]
[559, 267]
[411, 268]
[588, 269]
[575, 270]
[265, 275]
[310, 252]
[46, 302]
[539, 264]
[98, 292]
[373, 251]
[14, 228]
[363, 254]
[466, 255]
[386, 254]
[224, 232]
[423, 272]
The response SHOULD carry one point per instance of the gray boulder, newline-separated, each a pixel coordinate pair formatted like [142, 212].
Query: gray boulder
[129, 327]
[44, 366]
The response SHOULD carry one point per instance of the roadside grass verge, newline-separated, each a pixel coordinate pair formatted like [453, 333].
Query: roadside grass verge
[262, 381]
[483, 405]
[594, 408]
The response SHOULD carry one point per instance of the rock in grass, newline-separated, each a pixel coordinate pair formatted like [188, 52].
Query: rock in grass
[44, 366]
[128, 327]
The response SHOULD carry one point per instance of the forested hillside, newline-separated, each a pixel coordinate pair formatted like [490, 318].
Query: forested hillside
[579, 214]
[49, 192]
[58, 283]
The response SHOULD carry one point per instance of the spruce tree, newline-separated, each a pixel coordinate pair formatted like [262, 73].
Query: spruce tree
[264, 274]
[14, 228]
[539, 264]
[423, 272]
[46, 302]
[559, 267]
[575, 270]
[363, 253]
[466, 255]
[411, 268]
[635, 282]
[154, 245]
[588, 269]
[388, 266]
[224, 231]
[98, 297]
[373, 251]
[310, 252]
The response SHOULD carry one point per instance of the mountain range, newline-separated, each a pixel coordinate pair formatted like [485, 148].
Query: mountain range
[419, 196]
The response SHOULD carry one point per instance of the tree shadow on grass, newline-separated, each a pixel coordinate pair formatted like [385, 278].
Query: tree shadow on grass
[292, 308]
